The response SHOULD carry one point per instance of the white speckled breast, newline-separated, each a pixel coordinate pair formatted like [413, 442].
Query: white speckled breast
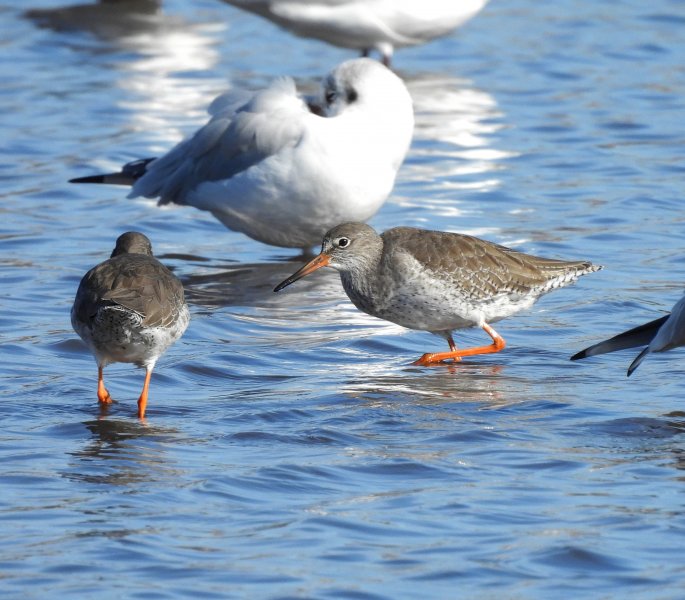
[117, 334]
[415, 297]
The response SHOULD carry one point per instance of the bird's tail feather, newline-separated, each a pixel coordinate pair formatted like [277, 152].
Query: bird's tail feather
[128, 175]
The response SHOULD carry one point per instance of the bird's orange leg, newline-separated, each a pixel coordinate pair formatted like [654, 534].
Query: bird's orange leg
[450, 341]
[454, 354]
[142, 401]
[103, 394]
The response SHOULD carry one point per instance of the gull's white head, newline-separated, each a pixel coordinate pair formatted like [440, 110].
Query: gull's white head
[371, 102]
[364, 84]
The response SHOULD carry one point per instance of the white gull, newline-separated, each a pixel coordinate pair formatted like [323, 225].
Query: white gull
[366, 25]
[281, 170]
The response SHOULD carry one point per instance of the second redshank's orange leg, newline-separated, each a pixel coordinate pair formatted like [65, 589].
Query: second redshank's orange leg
[455, 354]
[103, 394]
[142, 401]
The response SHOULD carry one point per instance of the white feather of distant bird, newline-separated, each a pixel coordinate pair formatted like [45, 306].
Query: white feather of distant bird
[366, 25]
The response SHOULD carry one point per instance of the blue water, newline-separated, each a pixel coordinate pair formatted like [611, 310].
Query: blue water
[290, 450]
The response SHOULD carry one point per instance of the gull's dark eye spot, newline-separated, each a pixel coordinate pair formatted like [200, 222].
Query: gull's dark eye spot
[343, 242]
[352, 95]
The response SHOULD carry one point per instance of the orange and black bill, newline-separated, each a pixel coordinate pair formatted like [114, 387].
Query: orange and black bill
[322, 260]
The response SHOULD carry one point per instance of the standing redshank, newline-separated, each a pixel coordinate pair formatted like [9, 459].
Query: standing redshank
[662, 334]
[269, 167]
[436, 281]
[129, 308]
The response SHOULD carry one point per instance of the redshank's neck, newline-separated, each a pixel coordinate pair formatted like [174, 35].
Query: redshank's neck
[360, 274]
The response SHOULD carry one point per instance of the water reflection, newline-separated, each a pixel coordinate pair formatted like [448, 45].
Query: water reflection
[108, 20]
[155, 53]
[644, 427]
[452, 150]
[163, 102]
[123, 453]
[466, 382]
[247, 284]
[451, 110]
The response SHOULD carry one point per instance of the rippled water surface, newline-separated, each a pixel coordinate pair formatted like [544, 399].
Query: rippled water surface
[290, 450]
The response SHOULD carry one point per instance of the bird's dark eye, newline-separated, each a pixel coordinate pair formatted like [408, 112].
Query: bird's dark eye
[343, 242]
[330, 97]
[351, 95]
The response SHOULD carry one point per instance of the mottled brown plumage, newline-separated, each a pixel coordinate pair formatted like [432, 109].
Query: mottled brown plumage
[438, 281]
[136, 282]
[129, 308]
[480, 269]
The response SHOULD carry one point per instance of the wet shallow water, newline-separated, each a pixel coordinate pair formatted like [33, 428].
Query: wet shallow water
[290, 450]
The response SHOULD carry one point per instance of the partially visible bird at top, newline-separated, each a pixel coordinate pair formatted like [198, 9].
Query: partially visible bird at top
[129, 308]
[284, 170]
[660, 335]
[366, 25]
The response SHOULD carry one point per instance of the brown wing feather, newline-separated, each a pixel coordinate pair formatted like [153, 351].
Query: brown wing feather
[481, 268]
[137, 282]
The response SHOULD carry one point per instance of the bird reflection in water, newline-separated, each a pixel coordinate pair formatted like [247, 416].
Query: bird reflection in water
[214, 285]
[106, 20]
[123, 453]
[461, 383]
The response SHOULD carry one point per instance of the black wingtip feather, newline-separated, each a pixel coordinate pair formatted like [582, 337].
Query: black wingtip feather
[579, 355]
[636, 363]
[128, 175]
[90, 179]
[637, 336]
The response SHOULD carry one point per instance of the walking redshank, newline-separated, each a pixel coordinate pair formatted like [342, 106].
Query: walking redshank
[662, 334]
[269, 167]
[129, 308]
[436, 281]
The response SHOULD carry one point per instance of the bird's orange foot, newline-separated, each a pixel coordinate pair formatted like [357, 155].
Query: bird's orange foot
[103, 394]
[104, 397]
[435, 358]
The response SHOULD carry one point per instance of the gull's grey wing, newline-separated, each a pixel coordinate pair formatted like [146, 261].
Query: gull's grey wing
[672, 333]
[233, 140]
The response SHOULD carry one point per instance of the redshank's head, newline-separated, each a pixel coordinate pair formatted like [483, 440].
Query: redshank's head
[346, 247]
[132, 242]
